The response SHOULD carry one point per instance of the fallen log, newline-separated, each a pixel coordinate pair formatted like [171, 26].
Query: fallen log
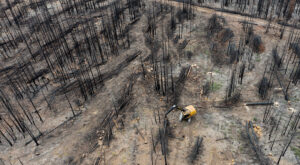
[259, 103]
[225, 138]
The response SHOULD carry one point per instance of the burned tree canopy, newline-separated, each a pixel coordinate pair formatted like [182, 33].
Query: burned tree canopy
[91, 82]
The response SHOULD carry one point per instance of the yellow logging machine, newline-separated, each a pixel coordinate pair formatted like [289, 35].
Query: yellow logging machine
[186, 112]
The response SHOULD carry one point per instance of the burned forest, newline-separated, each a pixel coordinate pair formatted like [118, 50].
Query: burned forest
[149, 82]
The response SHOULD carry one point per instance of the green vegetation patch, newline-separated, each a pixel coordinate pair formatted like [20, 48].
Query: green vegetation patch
[216, 86]
[257, 58]
[294, 99]
[255, 119]
[218, 71]
[207, 52]
[296, 151]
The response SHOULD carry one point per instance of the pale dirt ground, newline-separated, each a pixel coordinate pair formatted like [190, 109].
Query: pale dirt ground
[69, 143]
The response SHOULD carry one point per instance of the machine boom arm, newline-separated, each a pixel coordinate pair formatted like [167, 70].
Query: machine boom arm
[172, 108]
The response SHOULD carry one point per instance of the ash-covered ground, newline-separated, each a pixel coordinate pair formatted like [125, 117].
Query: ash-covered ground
[89, 82]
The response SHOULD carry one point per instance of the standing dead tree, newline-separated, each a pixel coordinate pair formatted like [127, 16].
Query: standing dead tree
[66, 44]
[179, 84]
[196, 149]
[107, 123]
[232, 92]
[253, 139]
